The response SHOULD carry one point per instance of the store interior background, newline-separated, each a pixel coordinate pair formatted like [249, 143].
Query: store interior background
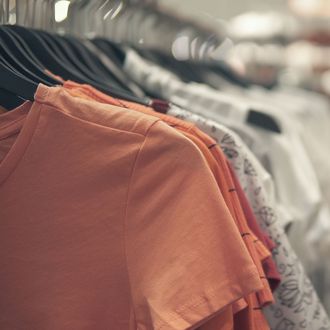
[225, 8]
[283, 41]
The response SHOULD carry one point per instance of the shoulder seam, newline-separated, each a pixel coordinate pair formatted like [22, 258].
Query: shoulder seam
[57, 109]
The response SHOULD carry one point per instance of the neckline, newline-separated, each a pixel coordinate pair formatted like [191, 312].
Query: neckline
[23, 119]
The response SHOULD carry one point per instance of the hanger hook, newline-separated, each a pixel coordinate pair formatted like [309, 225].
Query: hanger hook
[2, 12]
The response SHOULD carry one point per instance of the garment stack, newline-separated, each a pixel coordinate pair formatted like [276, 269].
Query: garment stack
[171, 214]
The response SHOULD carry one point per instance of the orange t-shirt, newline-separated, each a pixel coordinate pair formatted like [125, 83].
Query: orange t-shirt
[218, 164]
[105, 224]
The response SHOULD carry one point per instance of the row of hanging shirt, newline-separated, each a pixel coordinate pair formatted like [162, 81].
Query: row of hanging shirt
[123, 212]
[293, 151]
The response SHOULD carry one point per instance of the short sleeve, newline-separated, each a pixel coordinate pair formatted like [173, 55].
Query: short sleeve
[185, 257]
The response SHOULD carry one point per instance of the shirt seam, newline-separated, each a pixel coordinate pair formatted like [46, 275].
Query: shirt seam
[47, 100]
[38, 108]
[198, 302]
[13, 123]
[57, 109]
[126, 213]
[95, 97]
[9, 134]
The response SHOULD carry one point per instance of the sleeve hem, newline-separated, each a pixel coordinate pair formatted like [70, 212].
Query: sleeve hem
[208, 304]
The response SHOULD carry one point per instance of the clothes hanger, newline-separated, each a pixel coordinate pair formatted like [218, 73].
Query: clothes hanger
[64, 52]
[15, 87]
[110, 48]
[90, 21]
[75, 18]
[101, 74]
[10, 101]
[110, 90]
[263, 120]
[25, 56]
[51, 62]
[111, 87]
[94, 13]
[4, 60]
[109, 59]
[46, 56]
[64, 49]
[11, 51]
[74, 21]
[15, 84]
[10, 67]
[95, 65]
[89, 60]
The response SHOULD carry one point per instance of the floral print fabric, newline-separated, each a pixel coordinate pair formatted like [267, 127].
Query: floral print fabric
[297, 305]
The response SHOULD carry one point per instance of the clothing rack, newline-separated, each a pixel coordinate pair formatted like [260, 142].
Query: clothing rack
[136, 20]
[143, 191]
[143, 24]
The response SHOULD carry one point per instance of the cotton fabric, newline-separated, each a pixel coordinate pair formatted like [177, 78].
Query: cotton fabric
[251, 318]
[94, 233]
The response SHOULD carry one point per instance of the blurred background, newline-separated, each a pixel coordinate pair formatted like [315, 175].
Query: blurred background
[266, 41]
[287, 41]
